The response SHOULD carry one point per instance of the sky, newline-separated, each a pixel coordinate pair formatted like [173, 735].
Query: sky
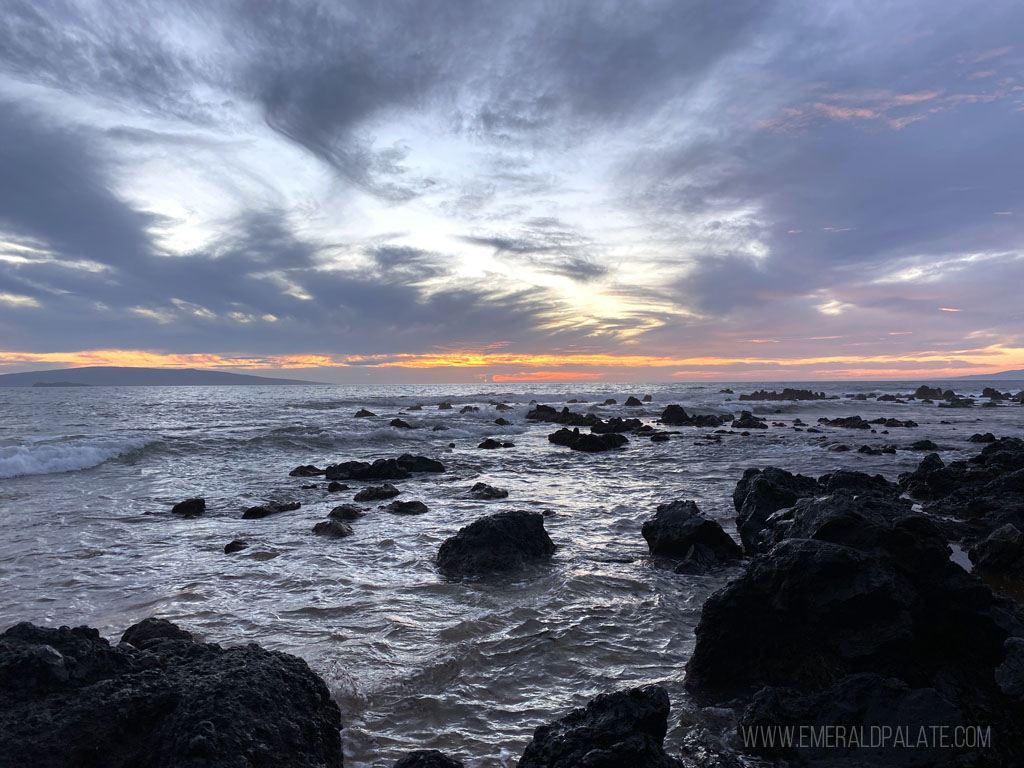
[435, 191]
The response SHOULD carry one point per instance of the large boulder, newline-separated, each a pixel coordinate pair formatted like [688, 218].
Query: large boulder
[857, 585]
[501, 542]
[70, 700]
[678, 530]
[615, 730]
[759, 493]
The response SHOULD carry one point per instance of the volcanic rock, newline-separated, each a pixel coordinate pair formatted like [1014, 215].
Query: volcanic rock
[189, 507]
[615, 730]
[271, 508]
[70, 700]
[500, 542]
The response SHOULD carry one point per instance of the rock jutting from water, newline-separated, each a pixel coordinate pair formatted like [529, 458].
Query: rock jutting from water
[271, 508]
[678, 530]
[68, 699]
[855, 615]
[615, 730]
[587, 443]
[785, 394]
[497, 543]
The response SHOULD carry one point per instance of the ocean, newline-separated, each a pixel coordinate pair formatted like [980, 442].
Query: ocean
[88, 477]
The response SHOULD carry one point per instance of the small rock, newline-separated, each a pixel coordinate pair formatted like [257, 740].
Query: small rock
[306, 470]
[400, 424]
[406, 508]
[632, 402]
[235, 546]
[485, 491]
[189, 507]
[332, 528]
[273, 508]
[377, 493]
[500, 542]
[334, 486]
[347, 512]
[362, 413]
[427, 758]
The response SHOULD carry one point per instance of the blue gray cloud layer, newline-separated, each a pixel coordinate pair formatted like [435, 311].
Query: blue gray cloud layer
[262, 178]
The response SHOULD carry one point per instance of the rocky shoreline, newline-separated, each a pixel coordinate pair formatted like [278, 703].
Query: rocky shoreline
[848, 612]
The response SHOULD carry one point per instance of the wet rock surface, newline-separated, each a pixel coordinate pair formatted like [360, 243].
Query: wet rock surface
[854, 614]
[377, 493]
[501, 542]
[678, 530]
[272, 508]
[615, 730]
[588, 443]
[189, 507]
[69, 699]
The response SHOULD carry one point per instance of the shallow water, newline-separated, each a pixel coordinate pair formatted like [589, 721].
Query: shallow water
[88, 475]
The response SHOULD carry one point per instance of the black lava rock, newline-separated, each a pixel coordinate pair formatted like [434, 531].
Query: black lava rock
[189, 507]
[70, 700]
[679, 530]
[427, 758]
[273, 508]
[332, 529]
[615, 730]
[501, 542]
[406, 507]
[377, 493]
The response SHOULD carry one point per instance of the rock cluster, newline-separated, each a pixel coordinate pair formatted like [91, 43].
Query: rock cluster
[68, 699]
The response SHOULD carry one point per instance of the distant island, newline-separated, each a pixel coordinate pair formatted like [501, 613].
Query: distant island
[113, 376]
[1017, 375]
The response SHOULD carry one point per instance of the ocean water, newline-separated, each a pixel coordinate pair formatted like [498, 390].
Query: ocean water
[88, 477]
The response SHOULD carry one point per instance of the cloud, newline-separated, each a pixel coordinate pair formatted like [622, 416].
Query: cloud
[306, 178]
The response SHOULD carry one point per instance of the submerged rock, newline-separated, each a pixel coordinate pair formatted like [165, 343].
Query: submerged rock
[333, 529]
[615, 730]
[501, 542]
[189, 507]
[347, 512]
[306, 470]
[548, 414]
[70, 700]
[334, 487]
[272, 508]
[398, 423]
[485, 491]
[406, 508]
[491, 444]
[377, 493]
[362, 413]
[236, 545]
[678, 530]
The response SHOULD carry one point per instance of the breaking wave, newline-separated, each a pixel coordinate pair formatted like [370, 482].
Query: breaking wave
[64, 455]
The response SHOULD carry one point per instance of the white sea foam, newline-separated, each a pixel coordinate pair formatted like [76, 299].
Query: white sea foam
[63, 455]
